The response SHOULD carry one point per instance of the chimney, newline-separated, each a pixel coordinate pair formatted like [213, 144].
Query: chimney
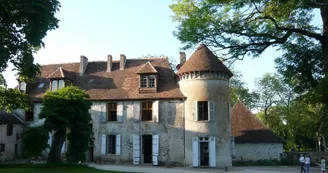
[83, 64]
[122, 61]
[182, 58]
[109, 63]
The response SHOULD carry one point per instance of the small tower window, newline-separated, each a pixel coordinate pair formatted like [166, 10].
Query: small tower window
[202, 111]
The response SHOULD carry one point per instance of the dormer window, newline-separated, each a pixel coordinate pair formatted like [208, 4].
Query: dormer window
[22, 86]
[57, 84]
[147, 81]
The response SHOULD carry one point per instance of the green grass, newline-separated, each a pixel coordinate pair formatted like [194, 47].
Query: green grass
[44, 168]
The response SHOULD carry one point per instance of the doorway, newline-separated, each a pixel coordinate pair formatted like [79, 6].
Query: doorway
[204, 153]
[147, 148]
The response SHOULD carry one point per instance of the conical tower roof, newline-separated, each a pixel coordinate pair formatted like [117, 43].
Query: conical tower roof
[203, 59]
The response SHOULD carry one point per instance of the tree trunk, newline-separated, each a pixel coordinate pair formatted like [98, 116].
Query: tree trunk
[324, 143]
[324, 45]
[55, 150]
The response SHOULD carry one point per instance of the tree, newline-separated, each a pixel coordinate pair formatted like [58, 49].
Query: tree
[23, 25]
[66, 112]
[11, 99]
[173, 63]
[35, 140]
[239, 28]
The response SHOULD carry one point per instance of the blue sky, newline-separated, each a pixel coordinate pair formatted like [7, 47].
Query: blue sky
[134, 28]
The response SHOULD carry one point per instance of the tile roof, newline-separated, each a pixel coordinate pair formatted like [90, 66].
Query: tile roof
[58, 73]
[9, 118]
[147, 69]
[203, 59]
[115, 85]
[246, 128]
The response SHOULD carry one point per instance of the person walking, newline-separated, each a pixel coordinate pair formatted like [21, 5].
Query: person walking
[302, 162]
[307, 163]
[323, 165]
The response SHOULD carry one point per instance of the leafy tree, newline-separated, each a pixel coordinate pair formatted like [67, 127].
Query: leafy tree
[11, 99]
[35, 140]
[238, 90]
[239, 28]
[66, 112]
[23, 25]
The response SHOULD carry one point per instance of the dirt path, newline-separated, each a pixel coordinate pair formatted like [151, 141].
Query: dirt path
[151, 169]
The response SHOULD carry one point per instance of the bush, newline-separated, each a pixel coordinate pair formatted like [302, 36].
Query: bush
[35, 140]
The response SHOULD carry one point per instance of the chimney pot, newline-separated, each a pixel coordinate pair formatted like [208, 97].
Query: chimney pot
[109, 63]
[122, 61]
[182, 58]
[83, 64]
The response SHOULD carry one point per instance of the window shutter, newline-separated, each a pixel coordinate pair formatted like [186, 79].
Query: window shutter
[63, 149]
[103, 113]
[50, 140]
[212, 152]
[232, 146]
[195, 151]
[103, 144]
[211, 110]
[119, 110]
[155, 111]
[194, 111]
[155, 149]
[136, 112]
[118, 145]
[136, 149]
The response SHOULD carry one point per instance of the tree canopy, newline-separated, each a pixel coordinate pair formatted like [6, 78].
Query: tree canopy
[239, 28]
[66, 113]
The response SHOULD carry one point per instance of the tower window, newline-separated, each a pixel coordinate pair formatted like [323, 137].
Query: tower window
[202, 111]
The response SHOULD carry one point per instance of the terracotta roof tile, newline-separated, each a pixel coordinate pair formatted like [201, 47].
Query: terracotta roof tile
[147, 69]
[246, 128]
[203, 59]
[115, 85]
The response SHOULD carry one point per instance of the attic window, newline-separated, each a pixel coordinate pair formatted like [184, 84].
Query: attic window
[41, 85]
[22, 86]
[57, 84]
[147, 81]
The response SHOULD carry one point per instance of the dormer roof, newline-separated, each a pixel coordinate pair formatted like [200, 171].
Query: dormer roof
[57, 74]
[147, 69]
[204, 60]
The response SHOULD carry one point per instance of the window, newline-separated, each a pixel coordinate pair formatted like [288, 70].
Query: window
[10, 129]
[112, 112]
[22, 86]
[2, 147]
[202, 111]
[57, 84]
[29, 114]
[147, 111]
[147, 81]
[111, 144]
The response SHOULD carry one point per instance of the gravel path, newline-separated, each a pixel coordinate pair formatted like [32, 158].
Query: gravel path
[152, 169]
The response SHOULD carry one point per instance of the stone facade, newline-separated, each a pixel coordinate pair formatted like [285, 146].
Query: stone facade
[261, 151]
[12, 144]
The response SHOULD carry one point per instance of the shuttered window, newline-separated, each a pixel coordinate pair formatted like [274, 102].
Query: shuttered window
[202, 111]
[111, 144]
[112, 112]
[147, 110]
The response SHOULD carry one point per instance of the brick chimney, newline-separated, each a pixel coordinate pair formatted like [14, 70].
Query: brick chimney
[122, 61]
[109, 63]
[83, 64]
[182, 58]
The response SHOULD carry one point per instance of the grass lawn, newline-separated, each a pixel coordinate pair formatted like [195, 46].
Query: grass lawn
[50, 169]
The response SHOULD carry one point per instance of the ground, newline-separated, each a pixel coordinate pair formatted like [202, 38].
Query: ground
[250, 169]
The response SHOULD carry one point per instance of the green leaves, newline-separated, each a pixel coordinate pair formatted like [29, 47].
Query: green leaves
[11, 99]
[35, 141]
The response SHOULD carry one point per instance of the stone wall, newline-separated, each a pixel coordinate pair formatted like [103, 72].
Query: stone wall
[170, 129]
[261, 151]
[11, 141]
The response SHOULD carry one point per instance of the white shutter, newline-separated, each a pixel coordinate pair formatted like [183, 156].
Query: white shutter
[136, 112]
[155, 110]
[194, 111]
[136, 150]
[50, 140]
[232, 146]
[212, 152]
[119, 109]
[211, 112]
[195, 152]
[103, 144]
[103, 117]
[118, 145]
[63, 149]
[155, 149]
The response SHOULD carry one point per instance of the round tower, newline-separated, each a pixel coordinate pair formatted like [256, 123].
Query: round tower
[204, 80]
